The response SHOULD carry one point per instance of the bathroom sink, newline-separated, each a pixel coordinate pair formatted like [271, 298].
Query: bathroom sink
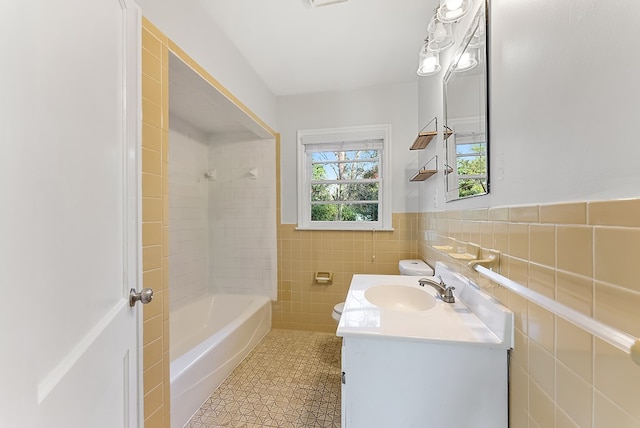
[399, 298]
[395, 306]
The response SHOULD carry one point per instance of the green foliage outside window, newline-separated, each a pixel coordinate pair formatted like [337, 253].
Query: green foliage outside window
[345, 186]
[475, 165]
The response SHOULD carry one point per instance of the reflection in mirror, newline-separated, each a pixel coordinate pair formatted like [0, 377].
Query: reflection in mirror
[466, 116]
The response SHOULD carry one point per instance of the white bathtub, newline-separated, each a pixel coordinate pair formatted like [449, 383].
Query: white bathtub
[209, 338]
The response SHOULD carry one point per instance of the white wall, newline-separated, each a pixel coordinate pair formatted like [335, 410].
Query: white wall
[564, 99]
[188, 213]
[187, 23]
[242, 218]
[431, 191]
[393, 104]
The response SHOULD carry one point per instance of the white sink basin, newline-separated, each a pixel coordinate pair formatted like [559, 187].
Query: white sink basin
[399, 298]
[395, 306]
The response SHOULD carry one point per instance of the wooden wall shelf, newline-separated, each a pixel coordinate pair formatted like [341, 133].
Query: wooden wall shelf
[423, 174]
[427, 170]
[423, 139]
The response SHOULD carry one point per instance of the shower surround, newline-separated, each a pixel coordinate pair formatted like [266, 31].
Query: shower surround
[222, 227]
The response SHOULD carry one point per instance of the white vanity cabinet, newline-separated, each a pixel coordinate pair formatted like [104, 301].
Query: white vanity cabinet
[440, 365]
[395, 383]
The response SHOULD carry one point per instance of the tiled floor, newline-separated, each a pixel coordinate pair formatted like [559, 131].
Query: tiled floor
[291, 379]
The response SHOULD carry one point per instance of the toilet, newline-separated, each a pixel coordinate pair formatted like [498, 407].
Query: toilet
[337, 311]
[414, 267]
[410, 267]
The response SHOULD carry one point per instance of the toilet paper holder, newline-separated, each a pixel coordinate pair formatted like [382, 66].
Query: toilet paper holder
[324, 278]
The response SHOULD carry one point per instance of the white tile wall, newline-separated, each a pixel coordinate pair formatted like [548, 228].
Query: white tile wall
[222, 233]
[188, 216]
[242, 218]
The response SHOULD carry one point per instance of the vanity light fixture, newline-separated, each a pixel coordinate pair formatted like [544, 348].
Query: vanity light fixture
[453, 10]
[429, 62]
[440, 37]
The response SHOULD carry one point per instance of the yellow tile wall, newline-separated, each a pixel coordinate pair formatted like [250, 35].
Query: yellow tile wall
[582, 254]
[156, 48]
[155, 132]
[305, 305]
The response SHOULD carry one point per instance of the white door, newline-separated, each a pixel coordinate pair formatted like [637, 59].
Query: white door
[69, 125]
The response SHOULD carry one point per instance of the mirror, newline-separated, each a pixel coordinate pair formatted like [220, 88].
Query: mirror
[466, 116]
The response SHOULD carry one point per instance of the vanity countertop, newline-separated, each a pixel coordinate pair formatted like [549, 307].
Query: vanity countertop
[474, 318]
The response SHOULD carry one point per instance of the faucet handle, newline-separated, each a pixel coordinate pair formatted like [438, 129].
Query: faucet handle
[448, 296]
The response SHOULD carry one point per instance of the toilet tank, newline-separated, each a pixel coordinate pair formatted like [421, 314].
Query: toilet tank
[414, 267]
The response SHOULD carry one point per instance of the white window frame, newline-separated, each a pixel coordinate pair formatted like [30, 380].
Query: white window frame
[347, 135]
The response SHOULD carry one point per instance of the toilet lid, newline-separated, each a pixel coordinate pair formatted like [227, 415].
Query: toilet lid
[415, 267]
[338, 308]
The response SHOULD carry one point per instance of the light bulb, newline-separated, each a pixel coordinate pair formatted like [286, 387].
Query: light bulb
[453, 4]
[464, 60]
[429, 63]
[440, 32]
[453, 10]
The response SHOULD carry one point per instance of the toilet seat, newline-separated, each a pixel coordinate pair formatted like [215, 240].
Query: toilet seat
[337, 311]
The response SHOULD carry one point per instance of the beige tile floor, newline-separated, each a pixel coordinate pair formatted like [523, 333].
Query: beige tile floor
[291, 379]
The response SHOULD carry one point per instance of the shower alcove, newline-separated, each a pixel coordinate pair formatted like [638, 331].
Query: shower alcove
[222, 229]
[222, 195]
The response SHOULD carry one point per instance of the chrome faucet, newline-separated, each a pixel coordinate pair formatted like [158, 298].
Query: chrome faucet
[445, 293]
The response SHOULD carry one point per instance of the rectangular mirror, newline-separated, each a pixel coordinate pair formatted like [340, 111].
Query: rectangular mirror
[466, 115]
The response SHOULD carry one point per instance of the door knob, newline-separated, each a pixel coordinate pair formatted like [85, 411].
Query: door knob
[145, 296]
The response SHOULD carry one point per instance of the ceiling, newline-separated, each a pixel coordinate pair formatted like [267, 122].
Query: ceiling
[298, 49]
[197, 102]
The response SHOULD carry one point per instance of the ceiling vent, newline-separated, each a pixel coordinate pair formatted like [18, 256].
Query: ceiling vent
[318, 3]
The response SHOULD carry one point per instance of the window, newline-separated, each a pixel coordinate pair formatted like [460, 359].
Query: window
[344, 178]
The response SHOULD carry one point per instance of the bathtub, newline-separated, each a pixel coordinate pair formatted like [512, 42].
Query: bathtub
[209, 338]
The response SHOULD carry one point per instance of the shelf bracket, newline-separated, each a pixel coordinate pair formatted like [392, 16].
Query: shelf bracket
[425, 137]
[426, 171]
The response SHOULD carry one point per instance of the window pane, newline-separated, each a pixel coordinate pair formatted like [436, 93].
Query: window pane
[344, 155]
[344, 212]
[470, 187]
[337, 165]
[472, 165]
[471, 148]
[344, 192]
